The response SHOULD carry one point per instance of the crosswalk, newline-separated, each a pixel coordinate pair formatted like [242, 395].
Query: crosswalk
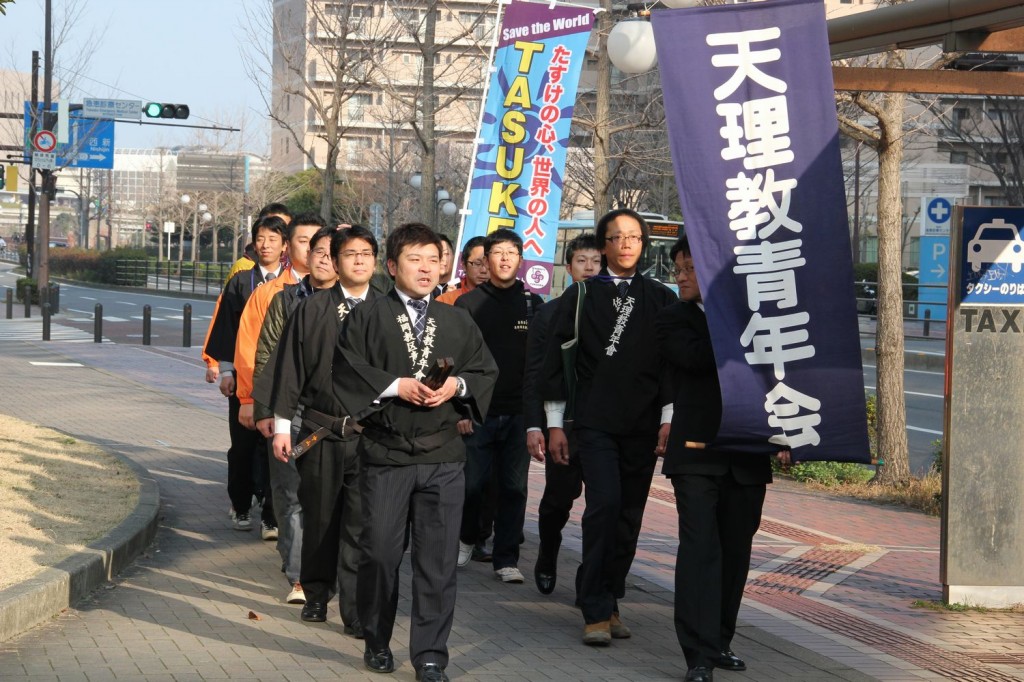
[32, 330]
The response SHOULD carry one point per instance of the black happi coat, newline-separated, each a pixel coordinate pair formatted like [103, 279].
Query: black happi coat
[372, 353]
[619, 393]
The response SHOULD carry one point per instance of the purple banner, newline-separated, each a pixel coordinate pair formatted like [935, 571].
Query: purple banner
[755, 144]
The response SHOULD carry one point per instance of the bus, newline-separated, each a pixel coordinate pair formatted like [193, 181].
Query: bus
[654, 263]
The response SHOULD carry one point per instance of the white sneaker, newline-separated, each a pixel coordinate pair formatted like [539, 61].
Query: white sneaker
[509, 574]
[296, 596]
[465, 553]
[242, 522]
[267, 532]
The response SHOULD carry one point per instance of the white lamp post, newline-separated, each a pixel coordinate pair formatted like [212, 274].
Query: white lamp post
[199, 214]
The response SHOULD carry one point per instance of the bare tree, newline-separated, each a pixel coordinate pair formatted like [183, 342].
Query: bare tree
[318, 75]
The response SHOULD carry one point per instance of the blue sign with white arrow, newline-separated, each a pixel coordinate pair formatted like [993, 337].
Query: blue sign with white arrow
[90, 142]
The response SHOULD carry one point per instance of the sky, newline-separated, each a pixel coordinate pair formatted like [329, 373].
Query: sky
[181, 51]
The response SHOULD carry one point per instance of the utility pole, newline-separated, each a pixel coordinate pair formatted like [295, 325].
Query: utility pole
[48, 179]
[30, 226]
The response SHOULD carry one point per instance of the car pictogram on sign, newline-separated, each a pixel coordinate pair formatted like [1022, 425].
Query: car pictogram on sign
[997, 242]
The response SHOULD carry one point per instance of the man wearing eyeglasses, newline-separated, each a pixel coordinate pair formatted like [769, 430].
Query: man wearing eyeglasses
[620, 401]
[474, 266]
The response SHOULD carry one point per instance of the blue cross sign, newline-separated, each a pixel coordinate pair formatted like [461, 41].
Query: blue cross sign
[939, 210]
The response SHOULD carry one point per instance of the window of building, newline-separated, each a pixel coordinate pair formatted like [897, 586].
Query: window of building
[357, 105]
[958, 157]
[356, 148]
[480, 25]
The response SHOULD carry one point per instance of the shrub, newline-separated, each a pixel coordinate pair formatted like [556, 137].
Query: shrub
[830, 474]
[19, 288]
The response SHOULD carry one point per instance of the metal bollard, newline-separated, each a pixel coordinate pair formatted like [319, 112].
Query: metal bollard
[147, 324]
[97, 323]
[46, 321]
[186, 326]
[28, 301]
[10, 303]
[927, 321]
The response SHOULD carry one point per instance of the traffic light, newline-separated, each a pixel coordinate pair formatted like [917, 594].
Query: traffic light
[164, 110]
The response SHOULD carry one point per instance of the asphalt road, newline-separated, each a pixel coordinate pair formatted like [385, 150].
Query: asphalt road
[122, 323]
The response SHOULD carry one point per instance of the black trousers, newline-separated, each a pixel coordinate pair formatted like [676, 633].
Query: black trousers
[718, 518]
[433, 493]
[331, 525]
[617, 471]
[563, 484]
[248, 473]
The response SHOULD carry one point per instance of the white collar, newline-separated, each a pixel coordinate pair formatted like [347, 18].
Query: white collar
[616, 277]
[264, 271]
[348, 294]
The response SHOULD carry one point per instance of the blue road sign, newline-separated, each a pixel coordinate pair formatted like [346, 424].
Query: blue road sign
[992, 262]
[90, 142]
[933, 275]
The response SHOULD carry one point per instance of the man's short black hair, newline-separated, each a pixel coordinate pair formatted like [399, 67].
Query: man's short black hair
[347, 234]
[584, 242]
[446, 240]
[682, 246]
[275, 209]
[273, 223]
[503, 235]
[411, 234]
[323, 233]
[602, 229]
[306, 220]
[468, 248]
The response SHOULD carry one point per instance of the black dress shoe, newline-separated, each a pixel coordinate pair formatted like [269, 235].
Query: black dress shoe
[314, 611]
[431, 672]
[354, 631]
[727, 660]
[700, 673]
[379, 661]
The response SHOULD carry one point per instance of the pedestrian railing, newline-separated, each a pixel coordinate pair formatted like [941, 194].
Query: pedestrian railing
[922, 318]
[192, 277]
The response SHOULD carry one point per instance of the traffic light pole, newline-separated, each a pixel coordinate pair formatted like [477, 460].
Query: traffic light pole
[48, 180]
[30, 224]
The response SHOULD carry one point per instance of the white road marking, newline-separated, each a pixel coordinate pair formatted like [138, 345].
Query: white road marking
[915, 371]
[57, 364]
[918, 428]
[921, 395]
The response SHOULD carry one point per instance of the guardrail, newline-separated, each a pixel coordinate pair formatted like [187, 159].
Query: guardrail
[194, 277]
[922, 319]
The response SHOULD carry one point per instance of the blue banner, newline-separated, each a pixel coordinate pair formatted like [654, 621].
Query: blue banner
[754, 139]
[518, 170]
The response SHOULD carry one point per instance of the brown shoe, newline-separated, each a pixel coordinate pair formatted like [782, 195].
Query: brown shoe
[597, 634]
[619, 630]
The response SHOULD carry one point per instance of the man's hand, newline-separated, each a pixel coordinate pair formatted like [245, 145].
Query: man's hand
[266, 427]
[282, 446]
[413, 391]
[558, 445]
[227, 385]
[662, 445]
[245, 416]
[785, 457]
[212, 373]
[465, 427]
[445, 393]
[535, 444]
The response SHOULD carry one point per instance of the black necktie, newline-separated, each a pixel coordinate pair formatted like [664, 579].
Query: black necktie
[420, 306]
[623, 287]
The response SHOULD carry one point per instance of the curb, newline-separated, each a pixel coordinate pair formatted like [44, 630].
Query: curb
[935, 362]
[27, 604]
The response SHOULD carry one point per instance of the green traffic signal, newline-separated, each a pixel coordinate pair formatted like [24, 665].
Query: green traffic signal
[164, 110]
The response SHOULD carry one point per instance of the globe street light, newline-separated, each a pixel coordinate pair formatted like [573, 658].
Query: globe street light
[631, 42]
[199, 214]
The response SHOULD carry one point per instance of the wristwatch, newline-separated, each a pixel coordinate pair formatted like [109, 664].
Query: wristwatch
[461, 390]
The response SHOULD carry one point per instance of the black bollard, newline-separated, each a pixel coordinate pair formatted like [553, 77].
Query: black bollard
[186, 326]
[46, 321]
[10, 303]
[28, 301]
[97, 323]
[927, 322]
[147, 324]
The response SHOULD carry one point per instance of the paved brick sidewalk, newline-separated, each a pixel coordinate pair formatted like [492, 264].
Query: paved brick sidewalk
[830, 598]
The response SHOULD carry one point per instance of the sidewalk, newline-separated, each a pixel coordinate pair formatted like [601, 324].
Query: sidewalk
[830, 598]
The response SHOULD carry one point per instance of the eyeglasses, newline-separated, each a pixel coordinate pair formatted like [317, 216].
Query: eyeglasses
[356, 254]
[625, 239]
[502, 254]
[322, 254]
[476, 263]
[685, 270]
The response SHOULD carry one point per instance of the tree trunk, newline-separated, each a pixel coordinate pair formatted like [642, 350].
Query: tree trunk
[602, 107]
[892, 413]
[330, 174]
[428, 188]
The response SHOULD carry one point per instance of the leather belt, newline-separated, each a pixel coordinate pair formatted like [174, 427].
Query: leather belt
[326, 426]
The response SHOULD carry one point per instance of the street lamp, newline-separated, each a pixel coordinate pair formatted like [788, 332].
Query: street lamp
[631, 42]
[199, 214]
[442, 202]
